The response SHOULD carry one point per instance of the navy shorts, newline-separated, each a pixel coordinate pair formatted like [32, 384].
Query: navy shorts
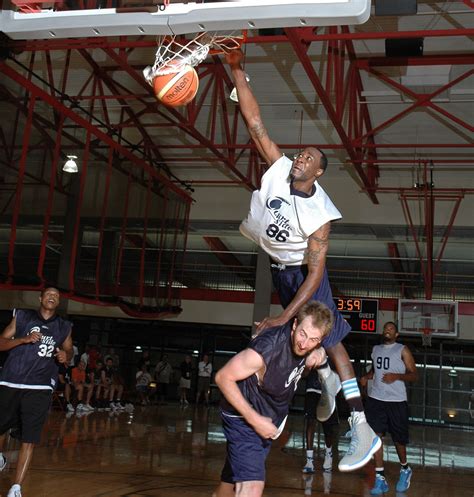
[24, 411]
[246, 451]
[391, 417]
[287, 282]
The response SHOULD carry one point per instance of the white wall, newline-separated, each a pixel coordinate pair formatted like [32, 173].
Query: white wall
[195, 311]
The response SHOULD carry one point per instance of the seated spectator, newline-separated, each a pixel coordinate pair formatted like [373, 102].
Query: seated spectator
[81, 380]
[101, 389]
[142, 384]
[113, 381]
[63, 387]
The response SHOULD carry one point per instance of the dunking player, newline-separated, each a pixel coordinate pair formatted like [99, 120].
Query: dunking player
[258, 385]
[387, 408]
[36, 342]
[290, 219]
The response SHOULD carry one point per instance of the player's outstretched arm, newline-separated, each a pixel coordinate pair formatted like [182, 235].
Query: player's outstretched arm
[318, 244]
[8, 342]
[240, 367]
[251, 110]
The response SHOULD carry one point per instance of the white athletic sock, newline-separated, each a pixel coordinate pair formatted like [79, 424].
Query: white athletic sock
[309, 454]
[329, 450]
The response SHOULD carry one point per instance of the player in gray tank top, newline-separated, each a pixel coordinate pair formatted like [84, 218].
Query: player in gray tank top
[387, 407]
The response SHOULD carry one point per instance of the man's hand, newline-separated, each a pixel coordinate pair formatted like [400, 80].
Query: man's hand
[316, 358]
[61, 356]
[389, 377]
[363, 380]
[33, 337]
[268, 322]
[263, 426]
[234, 57]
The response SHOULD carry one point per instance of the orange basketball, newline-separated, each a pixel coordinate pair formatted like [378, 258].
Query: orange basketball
[177, 88]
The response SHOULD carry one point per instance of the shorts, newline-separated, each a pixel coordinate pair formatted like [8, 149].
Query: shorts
[391, 417]
[246, 451]
[204, 382]
[184, 383]
[24, 411]
[142, 388]
[287, 281]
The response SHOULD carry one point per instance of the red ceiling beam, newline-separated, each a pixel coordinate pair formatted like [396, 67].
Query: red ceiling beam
[59, 106]
[301, 48]
[182, 122]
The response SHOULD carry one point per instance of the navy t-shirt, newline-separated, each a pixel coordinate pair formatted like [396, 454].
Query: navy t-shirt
[272, 396]
[33, 365]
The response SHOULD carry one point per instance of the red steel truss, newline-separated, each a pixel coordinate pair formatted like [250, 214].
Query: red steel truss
[339, 88]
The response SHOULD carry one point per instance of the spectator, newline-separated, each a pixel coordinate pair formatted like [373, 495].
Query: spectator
[162, 376]
[81, 380]
[64, 387]
[185, 381]
[111, 379]
[114, 356]
[204, 379]
[142, 384]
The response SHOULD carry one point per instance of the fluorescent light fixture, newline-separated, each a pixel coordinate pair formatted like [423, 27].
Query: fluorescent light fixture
[70, 166]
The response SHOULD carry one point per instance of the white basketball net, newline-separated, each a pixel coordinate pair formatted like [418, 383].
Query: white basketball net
[173, 53]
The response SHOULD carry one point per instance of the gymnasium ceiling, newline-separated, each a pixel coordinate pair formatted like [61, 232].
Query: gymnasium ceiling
[398, 132]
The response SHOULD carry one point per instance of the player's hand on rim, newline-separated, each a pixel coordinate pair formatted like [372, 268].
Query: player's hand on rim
[234, 57]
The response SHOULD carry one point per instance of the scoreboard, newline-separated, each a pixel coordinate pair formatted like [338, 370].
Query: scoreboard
[361, 314]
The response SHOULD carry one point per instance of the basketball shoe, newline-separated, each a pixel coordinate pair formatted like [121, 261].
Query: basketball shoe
[363, 445]
[330, 387]
[309, 466]
[15, 491]
[327, 463]
[404, 480]
[380, 487]
[3, 462]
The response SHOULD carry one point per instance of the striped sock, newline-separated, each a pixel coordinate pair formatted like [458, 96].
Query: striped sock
[351, 392]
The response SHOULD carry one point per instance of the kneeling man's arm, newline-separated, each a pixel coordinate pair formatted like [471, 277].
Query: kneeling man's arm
[240, 367]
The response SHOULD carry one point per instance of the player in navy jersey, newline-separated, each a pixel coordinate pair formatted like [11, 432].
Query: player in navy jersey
[290, 218]
[36, 341]
[258, 385]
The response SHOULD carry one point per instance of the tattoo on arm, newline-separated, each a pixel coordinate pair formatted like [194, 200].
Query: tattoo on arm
[258, 130]
[318, 245]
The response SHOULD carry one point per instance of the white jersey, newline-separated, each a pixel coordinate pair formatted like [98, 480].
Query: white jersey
[281, 222]
[388, 359]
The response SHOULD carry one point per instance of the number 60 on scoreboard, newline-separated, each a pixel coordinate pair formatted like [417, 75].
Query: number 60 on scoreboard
[361, 314]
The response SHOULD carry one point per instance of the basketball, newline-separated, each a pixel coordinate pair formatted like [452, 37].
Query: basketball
[177, 88]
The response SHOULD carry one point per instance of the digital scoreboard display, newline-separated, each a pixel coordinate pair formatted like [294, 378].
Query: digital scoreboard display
[361, 314]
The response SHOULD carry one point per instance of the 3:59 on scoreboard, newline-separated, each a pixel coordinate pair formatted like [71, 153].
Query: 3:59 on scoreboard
[361, 314]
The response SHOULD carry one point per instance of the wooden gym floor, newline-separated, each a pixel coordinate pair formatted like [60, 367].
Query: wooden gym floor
[167, 451]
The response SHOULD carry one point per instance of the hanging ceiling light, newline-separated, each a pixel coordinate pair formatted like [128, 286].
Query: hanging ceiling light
[70, 165]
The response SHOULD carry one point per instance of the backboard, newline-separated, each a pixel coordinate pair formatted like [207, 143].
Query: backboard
[181, 18]
[418, 316]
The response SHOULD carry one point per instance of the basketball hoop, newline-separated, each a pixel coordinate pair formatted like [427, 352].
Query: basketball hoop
[426, 336]
[175, 52]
